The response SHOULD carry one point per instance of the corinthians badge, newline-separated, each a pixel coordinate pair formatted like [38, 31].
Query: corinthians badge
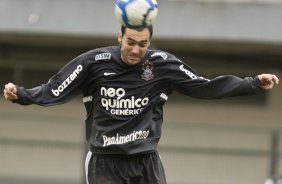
[147, 68]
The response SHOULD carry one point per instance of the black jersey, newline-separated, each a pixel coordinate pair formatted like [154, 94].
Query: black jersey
[124, 104]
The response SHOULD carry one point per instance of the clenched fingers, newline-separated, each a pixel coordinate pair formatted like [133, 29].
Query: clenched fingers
[10, 92]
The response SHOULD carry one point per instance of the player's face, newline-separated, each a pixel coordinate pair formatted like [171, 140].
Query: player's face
[134, 45]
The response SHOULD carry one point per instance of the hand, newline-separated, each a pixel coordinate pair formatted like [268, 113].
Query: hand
[10, 92]
[268, 81]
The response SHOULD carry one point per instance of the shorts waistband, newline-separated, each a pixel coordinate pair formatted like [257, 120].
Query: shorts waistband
[116, 155]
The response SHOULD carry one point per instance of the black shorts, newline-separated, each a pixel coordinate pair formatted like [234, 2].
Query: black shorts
[124, 169]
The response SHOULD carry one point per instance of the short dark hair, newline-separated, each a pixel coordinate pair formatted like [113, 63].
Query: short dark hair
[150, 28]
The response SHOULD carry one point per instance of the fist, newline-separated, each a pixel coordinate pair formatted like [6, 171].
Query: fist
[268, 81]
[10, 92]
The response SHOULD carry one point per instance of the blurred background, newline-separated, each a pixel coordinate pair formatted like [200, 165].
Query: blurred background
[230, 141]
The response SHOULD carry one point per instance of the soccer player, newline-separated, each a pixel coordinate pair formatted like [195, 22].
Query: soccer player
[124, 89]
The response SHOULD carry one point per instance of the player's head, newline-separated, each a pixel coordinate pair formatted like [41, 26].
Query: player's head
[134, 43]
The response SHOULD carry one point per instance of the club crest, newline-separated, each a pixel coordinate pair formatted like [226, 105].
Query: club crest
[147, 68]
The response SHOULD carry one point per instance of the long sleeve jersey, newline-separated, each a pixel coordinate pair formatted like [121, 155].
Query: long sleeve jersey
[124, 104]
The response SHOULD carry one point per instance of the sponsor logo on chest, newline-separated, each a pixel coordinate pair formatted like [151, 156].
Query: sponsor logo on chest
[114, 101]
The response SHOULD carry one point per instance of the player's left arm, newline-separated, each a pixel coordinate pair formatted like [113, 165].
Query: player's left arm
[267, 81]
[185, 80]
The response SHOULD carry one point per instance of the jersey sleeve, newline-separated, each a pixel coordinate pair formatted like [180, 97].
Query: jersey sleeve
[62, 87]
[186, 81]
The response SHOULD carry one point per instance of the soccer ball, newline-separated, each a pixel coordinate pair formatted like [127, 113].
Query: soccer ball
[136, 13]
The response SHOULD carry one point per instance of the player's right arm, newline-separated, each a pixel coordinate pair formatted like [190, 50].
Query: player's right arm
[62, 87]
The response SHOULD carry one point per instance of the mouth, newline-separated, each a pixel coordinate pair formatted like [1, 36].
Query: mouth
[133, 58]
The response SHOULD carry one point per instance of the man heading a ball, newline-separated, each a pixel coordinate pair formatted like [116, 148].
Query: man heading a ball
[124, 89]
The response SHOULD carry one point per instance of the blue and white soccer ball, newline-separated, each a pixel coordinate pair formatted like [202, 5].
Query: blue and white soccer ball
[136, 13]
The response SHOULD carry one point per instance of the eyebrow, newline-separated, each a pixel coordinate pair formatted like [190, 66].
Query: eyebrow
[142, 41]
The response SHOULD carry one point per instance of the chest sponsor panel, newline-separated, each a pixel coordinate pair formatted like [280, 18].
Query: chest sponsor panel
[117, 102]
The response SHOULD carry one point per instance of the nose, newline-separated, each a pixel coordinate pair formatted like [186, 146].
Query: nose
[135, 49]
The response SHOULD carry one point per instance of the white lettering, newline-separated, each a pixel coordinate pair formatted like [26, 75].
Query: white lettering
[190, 74]
[112, 100]
[119, 139]
[145, 101]
[111, 92]
[161, 54]
[67, 82]
[87, 99]
[103, 56]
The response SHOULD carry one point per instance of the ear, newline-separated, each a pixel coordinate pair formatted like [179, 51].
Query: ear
[119, 38]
